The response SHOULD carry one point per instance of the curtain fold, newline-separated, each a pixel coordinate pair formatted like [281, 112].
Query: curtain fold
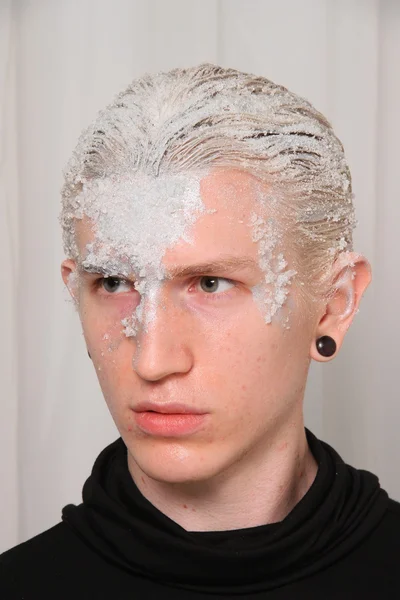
[60, 62]
[9, 251]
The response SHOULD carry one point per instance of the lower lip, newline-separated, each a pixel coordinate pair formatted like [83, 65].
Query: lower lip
[169, 424]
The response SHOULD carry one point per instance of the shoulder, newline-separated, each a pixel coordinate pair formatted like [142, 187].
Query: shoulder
[391, 518]
[394, 509]
[381, 551]
[36, 558]
[390, 524]
[388, 529]
[38, 546]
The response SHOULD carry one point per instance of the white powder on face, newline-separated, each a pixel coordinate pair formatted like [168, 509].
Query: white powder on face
[135, 219]
[270, 295]
[150, 295]
[267, 231]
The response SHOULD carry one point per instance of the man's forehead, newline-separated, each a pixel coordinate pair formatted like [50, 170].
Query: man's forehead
[232, 190]
[229, 197]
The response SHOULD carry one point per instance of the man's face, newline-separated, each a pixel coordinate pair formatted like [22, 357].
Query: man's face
[207, 346]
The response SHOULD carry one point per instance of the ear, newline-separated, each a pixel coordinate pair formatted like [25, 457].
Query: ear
[69, 275]
[351, 277]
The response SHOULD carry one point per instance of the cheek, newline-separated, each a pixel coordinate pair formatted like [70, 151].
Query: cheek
[240, 355]
[249, 359]
[240, 337]
[101, 316]
[111, 351]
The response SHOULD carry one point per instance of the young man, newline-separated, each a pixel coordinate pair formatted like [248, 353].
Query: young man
[208, 218]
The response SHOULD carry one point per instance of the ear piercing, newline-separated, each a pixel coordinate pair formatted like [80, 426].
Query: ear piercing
[89, 355]
[326, 345]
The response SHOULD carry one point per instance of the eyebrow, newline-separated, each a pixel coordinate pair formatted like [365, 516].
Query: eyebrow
[227, 264]
[94, 269]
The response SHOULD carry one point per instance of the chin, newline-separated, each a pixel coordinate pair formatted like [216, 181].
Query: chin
[173, 463]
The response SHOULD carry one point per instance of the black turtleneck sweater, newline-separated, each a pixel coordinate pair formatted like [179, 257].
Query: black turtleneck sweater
[341, 541]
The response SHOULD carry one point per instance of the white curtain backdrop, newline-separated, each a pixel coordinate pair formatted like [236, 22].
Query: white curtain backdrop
[63, 60]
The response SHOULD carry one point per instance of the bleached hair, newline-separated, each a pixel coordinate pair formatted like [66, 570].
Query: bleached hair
[208, 116]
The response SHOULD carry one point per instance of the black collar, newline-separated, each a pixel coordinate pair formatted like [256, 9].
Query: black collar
[339, 510]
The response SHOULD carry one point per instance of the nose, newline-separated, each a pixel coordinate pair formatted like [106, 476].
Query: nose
[163, 343]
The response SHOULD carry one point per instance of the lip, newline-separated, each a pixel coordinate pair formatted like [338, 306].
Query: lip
[169, 424]
[168, 408]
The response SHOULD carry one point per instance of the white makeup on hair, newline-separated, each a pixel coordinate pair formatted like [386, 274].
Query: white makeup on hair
[131, 175]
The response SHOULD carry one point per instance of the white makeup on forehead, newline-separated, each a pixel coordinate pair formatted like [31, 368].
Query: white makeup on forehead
[270, 294]
[135, 219]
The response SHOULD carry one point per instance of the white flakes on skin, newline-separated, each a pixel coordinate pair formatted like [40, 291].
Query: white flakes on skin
[270, 295]
[149, 292]
[135, 219]
[129, 324]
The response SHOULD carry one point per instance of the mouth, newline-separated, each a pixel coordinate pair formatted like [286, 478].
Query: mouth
[169, 421]
[175, 408]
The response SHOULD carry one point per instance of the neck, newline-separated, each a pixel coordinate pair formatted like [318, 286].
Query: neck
[262, 489]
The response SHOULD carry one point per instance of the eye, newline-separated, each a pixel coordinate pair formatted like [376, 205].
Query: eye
[115, 285]
[213, 284]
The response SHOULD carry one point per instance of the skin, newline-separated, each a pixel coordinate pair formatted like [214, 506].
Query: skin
[250, 463]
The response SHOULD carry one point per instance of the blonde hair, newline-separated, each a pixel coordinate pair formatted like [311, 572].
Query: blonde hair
[209, 116]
